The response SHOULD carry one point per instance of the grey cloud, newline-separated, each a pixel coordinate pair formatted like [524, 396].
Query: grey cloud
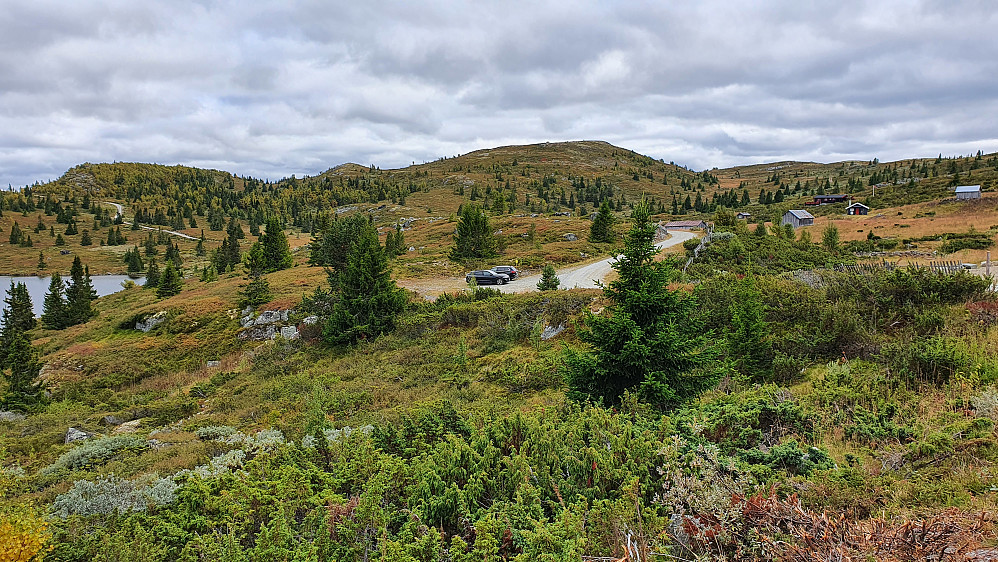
[274, 89]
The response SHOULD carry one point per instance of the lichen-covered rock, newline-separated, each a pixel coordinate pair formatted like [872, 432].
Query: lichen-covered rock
[11, 416]
[73, 434]
[258, 333]
[151, 322]
[127, 427]
[552, 331]
[571, 237]
[289, 332]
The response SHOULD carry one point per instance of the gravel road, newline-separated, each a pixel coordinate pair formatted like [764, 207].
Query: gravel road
[576, 276]
[143, 227]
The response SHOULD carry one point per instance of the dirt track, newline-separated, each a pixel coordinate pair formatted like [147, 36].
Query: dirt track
[577, 276]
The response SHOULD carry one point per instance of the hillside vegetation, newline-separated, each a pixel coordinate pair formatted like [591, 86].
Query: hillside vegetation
[761, 404]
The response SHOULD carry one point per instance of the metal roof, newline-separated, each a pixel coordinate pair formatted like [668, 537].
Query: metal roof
[968, 188]
[684, 223]
[801, 214]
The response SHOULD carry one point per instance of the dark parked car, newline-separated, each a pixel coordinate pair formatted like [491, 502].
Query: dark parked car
[484, 276]
[508, 270]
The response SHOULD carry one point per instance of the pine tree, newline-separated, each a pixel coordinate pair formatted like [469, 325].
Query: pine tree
[86, 241]
[80, 295]
[276, 247]
[474, 238]
[41, 261]
[651, 340]
[170, 282]
[54, 314]
[549, 279]
[602, 228]
[368, 299]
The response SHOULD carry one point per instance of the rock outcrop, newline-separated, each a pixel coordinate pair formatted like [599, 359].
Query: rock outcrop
[150, 322]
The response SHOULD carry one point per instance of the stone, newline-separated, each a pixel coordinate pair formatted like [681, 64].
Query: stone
[112, 421]
[270, 317]
[412, 248]
[211, 364]
[289, 332]
[258, 333]
[552, 331]
[11, 416]
[73, 434]
[571, 237]
[310, 320]
[150, 322]
[246, 321]
[127, 427]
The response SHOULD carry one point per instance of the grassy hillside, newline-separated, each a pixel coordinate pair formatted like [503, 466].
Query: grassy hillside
[454, 437]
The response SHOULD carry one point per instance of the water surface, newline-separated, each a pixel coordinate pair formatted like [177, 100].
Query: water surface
[38, 286]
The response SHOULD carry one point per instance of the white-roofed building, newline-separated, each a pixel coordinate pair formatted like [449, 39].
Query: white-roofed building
[968, 192]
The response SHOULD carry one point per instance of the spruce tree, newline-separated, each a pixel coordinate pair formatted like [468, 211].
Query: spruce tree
[152, 275]
[749, 348]
[276, 247]
[16, 235]
[54, 314]
[650, 340]
[474, 238]
[830, 238]
[41, 261]
[19, 315]
[368, 300]
[257, 291]
[602, 228]
[21, 369]
[549, 279]
[80, 294]
[85, 239]
[170, 282]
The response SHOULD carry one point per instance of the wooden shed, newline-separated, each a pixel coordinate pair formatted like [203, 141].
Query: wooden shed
[797, 218]
[968, 192]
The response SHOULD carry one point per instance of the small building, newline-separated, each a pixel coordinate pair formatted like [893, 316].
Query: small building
[743, 216]
[828, 199]
[857, 209]
[797, 218]
[968, 192]
[686, 225]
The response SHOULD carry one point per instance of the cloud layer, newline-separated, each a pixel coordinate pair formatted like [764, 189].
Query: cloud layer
[269, 90]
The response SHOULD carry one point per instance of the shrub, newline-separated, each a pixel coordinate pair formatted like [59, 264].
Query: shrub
[218, 465]
[113, 495]
[23, 535]
[214, 432]
[95, 452]
[986, 404]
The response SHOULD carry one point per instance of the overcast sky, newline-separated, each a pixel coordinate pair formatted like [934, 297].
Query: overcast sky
[271, 89]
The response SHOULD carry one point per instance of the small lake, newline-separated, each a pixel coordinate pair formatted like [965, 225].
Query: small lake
[38, 286]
